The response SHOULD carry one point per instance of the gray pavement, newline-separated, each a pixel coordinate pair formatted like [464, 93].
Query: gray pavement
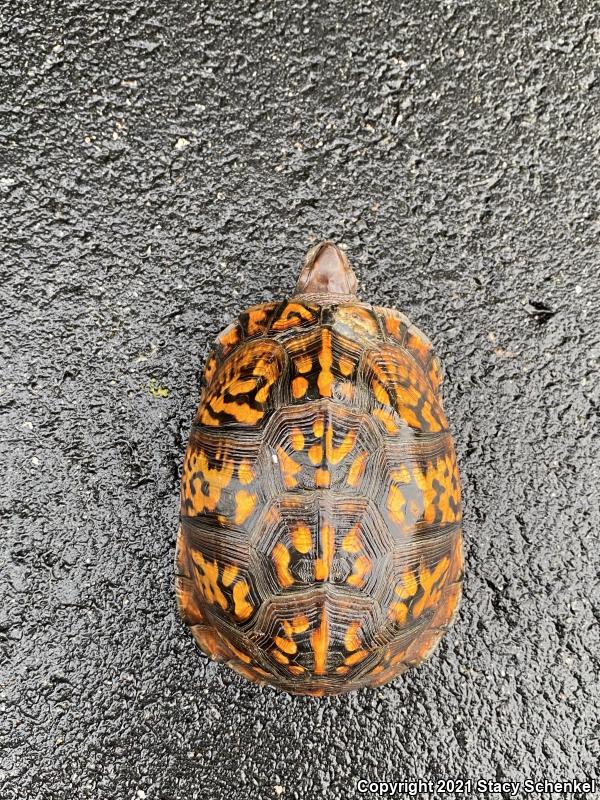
[163, 166]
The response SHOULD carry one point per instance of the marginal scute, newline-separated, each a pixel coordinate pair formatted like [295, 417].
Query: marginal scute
[229, 339]
[320, 546]
[244, 388]
[398, 384]
[209, 370]
[435, 374]
[255, 321]
[394, 324]
[293, 315]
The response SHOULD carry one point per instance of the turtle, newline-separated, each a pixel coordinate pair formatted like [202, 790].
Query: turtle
[320, 546]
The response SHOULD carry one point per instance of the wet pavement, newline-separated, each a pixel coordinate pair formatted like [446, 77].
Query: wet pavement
[165, 166]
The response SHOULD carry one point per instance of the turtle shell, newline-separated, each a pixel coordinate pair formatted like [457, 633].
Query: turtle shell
[320, 545]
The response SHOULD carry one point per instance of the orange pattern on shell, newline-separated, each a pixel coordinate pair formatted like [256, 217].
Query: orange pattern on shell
[374, 363]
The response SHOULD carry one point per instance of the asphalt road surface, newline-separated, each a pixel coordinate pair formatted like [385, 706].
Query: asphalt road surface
[164, 165]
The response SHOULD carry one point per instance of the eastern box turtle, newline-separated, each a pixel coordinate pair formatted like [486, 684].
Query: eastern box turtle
[320, 545]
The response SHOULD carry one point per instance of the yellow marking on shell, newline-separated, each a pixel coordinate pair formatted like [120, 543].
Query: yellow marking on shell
[188, 599]
[244, 506]
[418, 344]
[217, 478]
[286, 645]
[457, 559]
[300, 623]
[409, 585]
[414, 508]
[345, 391]
[401, 475]
[322, 479]
[392, 326]
[346, 366]
[423, 647]
[396, 505]
[245, 472]
[297, 439]
[357, 469]
[356, 657]
[319, 641]
[229, 574]
[242, 386]
[210, 369]
[351, 637]
[436, 475]
[279, 656]
[292, 315]
[336, 454]
[241, 412]
[241, 607]
[434, 373]
[397, 370]
[360, 569]
[256, 365]
[398, 658]
[407, 399]
[242, 656]
[449, 602]
[318, 427]
[325, 379]
[289, 468]
[255, 318]
[387, 419]
[281, 560]
[323, 564]
[428, 580]
[229, 336]
[303, 363]
[398, 612]
[208, 576]
[302, 538]
[299, 387]
[315, 454]
[426, 410]
[204, 415]
[268, 369]
[409, 416]
[351, 542]
[272, 516]
[380, 393]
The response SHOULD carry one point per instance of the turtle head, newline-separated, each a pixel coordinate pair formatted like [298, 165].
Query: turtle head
[326, 270]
